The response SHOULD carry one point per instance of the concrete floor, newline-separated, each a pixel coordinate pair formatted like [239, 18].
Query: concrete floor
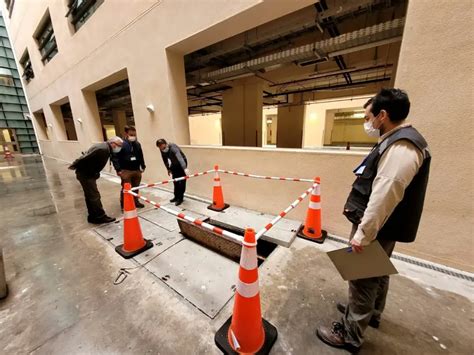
[62, 298]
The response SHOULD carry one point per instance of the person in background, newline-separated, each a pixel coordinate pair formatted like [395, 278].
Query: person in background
[129, 162]
[384, 205]
[177, 165]
[88, 168]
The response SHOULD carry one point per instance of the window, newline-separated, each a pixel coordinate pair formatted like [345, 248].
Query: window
[25, 62]
[69, 127]
[6, 77]
[80, 11]
[9, 5]
[46, 40]
[41, 125]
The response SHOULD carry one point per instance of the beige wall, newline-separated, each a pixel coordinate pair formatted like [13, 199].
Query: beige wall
[315, 118]
[205, 129]
[436, 69]
[290, 126]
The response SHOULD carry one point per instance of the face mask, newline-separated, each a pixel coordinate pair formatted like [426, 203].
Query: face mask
[166, 150]
[370, 130]
[116, 149]
[132, 138]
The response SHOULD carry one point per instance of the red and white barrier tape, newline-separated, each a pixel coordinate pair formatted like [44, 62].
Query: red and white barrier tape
[285, 212]
[226, 234]
[172, 180]
[264, 177]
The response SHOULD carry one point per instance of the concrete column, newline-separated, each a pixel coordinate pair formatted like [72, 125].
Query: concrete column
[290, 124]
[435, 68]
[242, 114]
[120, 121]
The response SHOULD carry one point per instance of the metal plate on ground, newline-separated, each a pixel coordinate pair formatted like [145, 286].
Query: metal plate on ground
[161, 238]
[204, 278]
[161, 218]
[282, 234]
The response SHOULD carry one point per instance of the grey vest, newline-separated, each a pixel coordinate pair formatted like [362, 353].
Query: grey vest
[402, 224]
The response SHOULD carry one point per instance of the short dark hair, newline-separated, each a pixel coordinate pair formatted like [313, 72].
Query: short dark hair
[369, 102]
[394, 101]
[160, 142]
[129, 128]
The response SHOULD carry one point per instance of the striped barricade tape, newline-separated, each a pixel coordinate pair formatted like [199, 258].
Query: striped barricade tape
[265, 177]
[285, 212]
[172, 180]
[222, 232]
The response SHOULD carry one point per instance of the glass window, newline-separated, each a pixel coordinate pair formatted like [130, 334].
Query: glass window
[47, 41]
[25, 62]
[80, 11]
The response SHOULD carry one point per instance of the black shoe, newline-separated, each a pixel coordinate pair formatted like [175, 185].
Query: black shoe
[174, 199]
[334, 336]
[138, 204]
[178, 202]
[374, 323]
[101, 220]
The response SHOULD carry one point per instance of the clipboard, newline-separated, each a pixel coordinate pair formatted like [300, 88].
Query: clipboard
[371, 262]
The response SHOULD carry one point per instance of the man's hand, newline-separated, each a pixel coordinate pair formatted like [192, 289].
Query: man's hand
[356, 247]
[119, 173]
[186, 171]
[169, 174]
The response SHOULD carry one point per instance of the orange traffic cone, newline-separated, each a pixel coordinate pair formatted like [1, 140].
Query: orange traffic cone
[8, 154]
[217, 195]
[246, 331]
[311, 230]
[133, 242]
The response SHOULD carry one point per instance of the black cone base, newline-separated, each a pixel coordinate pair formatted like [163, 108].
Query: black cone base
[319, 240]
[271, 334]
[131, 254]
[211, 207]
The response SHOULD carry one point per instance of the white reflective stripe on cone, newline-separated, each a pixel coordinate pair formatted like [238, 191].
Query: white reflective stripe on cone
[248, 258]
[316, 191]
[130, 214]
[217, 183]
[247, 290]
[315, 205]
[234, 340]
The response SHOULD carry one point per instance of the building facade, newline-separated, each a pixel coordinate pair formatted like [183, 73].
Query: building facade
[16, 128]
[99, 65]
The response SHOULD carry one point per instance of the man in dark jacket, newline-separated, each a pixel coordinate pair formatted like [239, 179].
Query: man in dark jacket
[88, 168]
[384, 205]
[177, 166]
[129, 162]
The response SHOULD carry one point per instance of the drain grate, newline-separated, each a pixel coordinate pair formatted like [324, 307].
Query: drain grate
[422, 264]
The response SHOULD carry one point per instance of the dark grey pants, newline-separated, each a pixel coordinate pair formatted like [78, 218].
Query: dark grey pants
[92, 196]
[366, 300]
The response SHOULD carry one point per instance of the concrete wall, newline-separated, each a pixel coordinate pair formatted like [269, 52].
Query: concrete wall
[435, 67]
[205, 129]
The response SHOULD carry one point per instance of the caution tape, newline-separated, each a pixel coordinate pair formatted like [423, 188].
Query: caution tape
[226, 234]
[264, 177]
[285, 212]
[171, 180]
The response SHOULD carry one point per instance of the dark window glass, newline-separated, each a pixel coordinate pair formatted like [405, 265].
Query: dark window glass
[80, 11]
[47, 41]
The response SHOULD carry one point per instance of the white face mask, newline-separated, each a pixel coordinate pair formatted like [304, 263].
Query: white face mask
[370, 130]
[116, 149]
[166, 150]
[132, 138]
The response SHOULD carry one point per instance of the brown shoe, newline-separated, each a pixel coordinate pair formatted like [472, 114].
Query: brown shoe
[334, 336]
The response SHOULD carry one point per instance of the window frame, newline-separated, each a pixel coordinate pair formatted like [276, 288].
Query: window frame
[78, 15]
[25, 62]
[44, 35]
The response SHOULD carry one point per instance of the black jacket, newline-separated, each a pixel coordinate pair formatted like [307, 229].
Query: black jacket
[402, 224]
[93, 161]
[130, 157]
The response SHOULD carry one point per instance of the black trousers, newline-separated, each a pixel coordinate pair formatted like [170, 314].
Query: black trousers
[179, 186]
[366, 300]
[92, 196]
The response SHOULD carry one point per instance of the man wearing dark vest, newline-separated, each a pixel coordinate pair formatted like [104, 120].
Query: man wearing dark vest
[385, 204]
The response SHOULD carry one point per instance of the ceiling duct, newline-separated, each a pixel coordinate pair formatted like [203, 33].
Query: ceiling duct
[322, 49]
